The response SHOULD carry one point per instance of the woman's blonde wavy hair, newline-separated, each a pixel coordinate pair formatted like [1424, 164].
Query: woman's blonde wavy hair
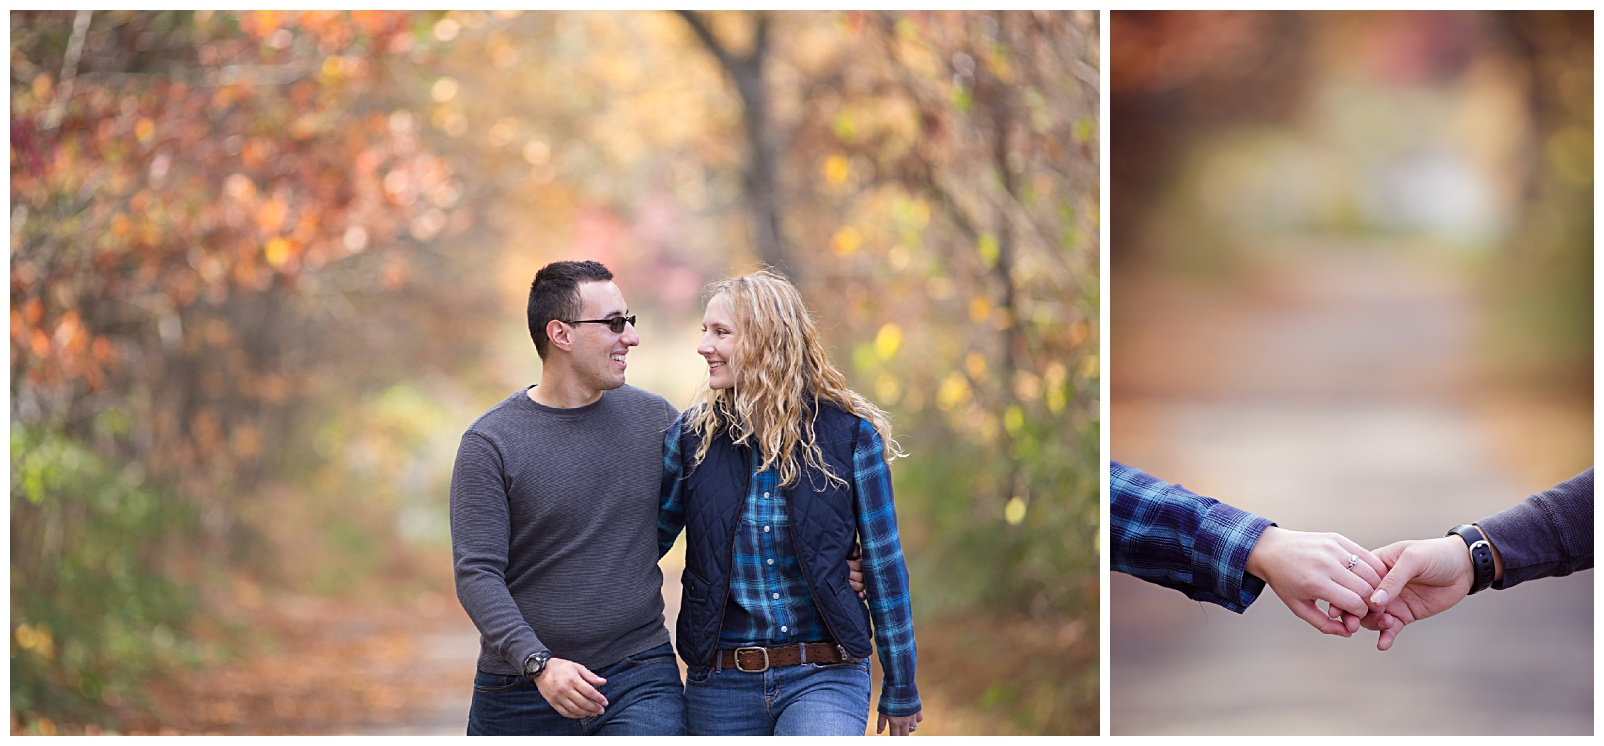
[782, 376]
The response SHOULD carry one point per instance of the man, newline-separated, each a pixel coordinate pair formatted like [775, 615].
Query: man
[553, 531]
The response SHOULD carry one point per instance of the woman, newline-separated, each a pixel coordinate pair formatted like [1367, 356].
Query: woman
[774, 476]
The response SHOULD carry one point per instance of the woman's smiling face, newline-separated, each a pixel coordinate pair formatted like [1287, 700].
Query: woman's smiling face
[717, 347]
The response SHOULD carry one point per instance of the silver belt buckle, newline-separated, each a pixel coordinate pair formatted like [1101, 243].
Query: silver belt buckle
[742, 669]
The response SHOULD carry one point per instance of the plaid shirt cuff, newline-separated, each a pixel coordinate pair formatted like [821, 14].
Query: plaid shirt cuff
[1225, 538]
[1169, 535]
[899, 701]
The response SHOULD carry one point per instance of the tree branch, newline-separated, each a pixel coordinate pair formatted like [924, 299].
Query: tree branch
[69, 69]
[705, 34]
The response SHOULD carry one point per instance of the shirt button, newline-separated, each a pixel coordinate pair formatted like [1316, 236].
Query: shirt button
[771, 562]
[776, 596]
[765, 529]
[765, 494]
[784, 628]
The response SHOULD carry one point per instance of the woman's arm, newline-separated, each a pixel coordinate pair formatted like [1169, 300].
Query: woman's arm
[671, 493]
[886, 575]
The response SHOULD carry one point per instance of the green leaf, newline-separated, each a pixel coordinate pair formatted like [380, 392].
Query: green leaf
[988, 249]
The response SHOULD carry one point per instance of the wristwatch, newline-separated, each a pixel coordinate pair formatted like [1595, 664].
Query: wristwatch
[535, 664]
[1481, 555]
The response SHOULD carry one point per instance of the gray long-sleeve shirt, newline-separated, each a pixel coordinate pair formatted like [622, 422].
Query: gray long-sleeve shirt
[1548, 535]
[554, 529]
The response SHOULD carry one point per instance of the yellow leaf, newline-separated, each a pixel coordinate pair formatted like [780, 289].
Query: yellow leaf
[1001, 68]
[845, 241]
[979, 309]
[1014, 419]
[1056, 399]
[887, 341]
[277, 252]
[988, 249]
[836, 170]
[35, 639]
[953, 392]
[1014, 512]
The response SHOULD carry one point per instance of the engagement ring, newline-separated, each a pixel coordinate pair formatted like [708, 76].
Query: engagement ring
[1353, 559]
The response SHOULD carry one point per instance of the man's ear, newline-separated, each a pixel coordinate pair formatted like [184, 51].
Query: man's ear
[557, 334]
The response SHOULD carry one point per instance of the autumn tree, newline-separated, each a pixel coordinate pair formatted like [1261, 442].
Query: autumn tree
[214, 229]
[951, 172]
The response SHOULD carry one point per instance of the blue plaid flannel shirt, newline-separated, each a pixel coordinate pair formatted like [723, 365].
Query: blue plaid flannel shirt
[769, 602]
[1166, 534]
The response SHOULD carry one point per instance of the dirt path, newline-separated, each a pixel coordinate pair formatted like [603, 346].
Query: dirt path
[1331, 394]
[402, 663]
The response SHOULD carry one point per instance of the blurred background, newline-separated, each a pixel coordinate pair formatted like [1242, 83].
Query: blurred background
[266, 267]
[1352, 292]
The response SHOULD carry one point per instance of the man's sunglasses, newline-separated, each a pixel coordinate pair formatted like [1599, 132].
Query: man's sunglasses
[614, 324]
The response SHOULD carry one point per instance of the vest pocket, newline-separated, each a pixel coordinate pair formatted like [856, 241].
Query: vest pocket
[695, 587]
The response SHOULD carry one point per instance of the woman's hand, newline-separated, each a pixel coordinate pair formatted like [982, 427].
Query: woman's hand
[900, 726]
[1304, 567]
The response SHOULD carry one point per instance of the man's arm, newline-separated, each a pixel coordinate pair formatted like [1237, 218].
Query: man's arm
[886, 575]
[1550, 534]
[481, 530]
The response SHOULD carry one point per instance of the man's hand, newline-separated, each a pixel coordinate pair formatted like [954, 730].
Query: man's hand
[900, 726]
[1304, 567]
[1427, 578]
[855, 571]
[570, 689]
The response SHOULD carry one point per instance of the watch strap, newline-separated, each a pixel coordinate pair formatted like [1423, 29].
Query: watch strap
[1481, 555]
[535, 664]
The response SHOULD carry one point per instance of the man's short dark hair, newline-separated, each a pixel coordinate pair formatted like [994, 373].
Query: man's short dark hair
[555, 295]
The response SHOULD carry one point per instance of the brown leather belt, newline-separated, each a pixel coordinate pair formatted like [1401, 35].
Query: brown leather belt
[754, 659]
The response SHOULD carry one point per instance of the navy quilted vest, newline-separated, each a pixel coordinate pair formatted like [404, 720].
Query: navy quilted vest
[823, 527]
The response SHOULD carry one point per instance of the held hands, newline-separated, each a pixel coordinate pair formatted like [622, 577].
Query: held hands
[570, 689]
[1426, 578]
[1400, 584]
[1304, 567]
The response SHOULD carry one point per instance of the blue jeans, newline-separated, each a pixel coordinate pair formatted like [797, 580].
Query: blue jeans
[644, 698]
[805, 700]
